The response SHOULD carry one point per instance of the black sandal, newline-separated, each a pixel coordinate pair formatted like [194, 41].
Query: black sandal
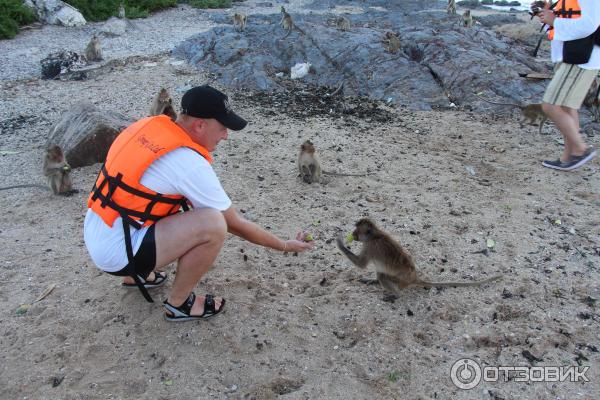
[182, 313]
[159, 278]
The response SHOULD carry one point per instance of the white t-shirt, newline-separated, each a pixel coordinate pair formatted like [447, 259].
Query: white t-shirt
[182, 171]
[566, 29]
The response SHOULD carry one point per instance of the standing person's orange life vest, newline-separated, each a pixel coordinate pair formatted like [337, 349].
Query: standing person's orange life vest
[565, 9]
[118, 191]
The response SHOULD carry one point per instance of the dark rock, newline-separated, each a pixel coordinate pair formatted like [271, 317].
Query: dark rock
[530, 357]
[468, 3]
[439, 63]
[85, 133]
[60, 63]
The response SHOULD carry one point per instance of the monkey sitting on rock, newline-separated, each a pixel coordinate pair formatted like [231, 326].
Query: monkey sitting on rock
[395, 267]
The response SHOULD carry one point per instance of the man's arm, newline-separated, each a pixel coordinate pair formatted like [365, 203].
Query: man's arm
[566, 29]
[239, 226]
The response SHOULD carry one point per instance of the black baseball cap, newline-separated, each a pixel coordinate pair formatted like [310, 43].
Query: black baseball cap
[208, 102]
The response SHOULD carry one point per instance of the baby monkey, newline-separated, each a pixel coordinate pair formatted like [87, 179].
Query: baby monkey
[395, 267]
[239, 21]
[309, 165]
[58, 172]
[92, 51]
[467, 19]
[392, 41]
[163, 104]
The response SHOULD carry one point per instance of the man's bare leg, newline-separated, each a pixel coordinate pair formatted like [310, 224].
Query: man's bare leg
[194, 238]
[567, 121]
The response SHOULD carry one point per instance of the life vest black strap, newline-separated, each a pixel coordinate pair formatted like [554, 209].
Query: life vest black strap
[131, 262]
[143, 216]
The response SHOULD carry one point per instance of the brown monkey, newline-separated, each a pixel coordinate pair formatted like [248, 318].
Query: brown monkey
[121, 12]
[57, 171]
[92, 51]
[451, 7]
[239, 21]
[531, 113]
[395, 267]
[286, 21]
[163, 104]
[467, 19]
[392, 41]
[309, 165]
[343, 23]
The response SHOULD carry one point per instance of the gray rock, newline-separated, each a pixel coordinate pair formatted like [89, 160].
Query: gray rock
[116, 27]
[56, 12]
[85, 133]
[439, 62]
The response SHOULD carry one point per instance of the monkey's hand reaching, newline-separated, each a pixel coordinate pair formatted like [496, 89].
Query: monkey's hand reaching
[340, 241]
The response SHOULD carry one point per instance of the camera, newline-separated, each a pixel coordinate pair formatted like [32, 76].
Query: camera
[536, 7]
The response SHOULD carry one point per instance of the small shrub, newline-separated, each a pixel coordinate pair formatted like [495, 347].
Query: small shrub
[209, 3]
[95, 10]
[12, 14]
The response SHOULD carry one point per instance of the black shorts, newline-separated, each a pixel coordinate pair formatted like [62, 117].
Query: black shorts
[145, 258]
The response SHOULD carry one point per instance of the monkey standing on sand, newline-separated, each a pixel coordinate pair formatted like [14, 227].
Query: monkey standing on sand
[309, 165]
[394, 266]
[239, 21]
[163, 104]
[532, 113]
[57, 171]
[92, 51]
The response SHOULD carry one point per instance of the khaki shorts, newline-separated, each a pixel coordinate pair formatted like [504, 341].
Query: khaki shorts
[569, 85]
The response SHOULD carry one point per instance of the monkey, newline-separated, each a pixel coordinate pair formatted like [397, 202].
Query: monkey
[309, 165]
[467, 19]
[395, 267]
[531, 113]
[58, 171]
[163, 104]
[239, 21]
[286, 21]
[451, 8]
[92, 51]
[121, 12]
[392, 41]
[343, 23]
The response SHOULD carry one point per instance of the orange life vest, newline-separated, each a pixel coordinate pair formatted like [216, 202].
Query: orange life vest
[118, 191]
[565, 9]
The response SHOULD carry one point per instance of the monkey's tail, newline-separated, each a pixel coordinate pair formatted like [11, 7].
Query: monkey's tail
[494, 102]
[28, 185]
[458, 284]
[340, 174]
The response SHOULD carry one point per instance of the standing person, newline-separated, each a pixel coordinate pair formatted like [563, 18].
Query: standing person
[572, 25]
[155, 168]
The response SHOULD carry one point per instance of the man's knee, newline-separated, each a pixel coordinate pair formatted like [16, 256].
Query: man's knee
[549, 108]
[211, 222]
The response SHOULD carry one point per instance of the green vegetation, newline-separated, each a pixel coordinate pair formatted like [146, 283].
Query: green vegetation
[12, 15]
[95, 10]
[208, 3]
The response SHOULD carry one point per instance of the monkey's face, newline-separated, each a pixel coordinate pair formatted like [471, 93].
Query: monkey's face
[364, 230]
[308, 147]
[55, 153]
